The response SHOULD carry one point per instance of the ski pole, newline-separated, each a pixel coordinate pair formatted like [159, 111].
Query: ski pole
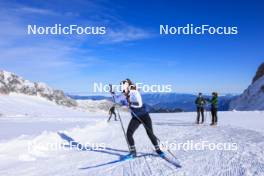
[122, 125]
[121, 122]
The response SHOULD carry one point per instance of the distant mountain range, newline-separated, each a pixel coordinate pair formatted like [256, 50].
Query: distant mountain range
[167, 102]
[251, 99]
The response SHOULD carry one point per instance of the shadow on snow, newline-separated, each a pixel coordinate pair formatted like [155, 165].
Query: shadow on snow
[106, 150]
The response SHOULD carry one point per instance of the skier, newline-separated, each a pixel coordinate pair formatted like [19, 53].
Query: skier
[132, 98]
[200, 102]
[214, 107]
[111, 112]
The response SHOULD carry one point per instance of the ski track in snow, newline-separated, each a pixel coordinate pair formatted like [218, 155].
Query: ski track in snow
[247, 160]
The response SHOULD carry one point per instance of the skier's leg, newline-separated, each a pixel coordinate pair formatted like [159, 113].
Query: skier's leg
[202, 112]
[148, 126]
[198, 115]
[115, 116]
[216, 116]
[109, 117]
[133, 125]
[212, 113]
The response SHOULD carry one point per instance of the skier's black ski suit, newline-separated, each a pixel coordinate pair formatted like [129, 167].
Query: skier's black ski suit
[134, 124]
[140, 115]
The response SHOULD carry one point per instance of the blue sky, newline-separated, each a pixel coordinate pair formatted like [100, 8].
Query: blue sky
[132, 47]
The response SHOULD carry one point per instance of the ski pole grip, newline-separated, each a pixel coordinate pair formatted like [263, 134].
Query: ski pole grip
[111, 89]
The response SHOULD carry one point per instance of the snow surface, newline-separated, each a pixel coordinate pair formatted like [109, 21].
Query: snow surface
[35, 114]
[19, 157]
[21, 105]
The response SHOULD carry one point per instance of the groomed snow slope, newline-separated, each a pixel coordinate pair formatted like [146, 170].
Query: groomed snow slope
[21, 105]
[31, 154]
[22, 114]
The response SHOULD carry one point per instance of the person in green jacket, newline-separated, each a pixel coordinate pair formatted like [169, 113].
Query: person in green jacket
[214, 107]
[200, 103]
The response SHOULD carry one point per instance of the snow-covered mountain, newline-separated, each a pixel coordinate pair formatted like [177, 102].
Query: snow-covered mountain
[16, 90]
[64, 141]
[12, 83]
[253, 97]
[259, 73]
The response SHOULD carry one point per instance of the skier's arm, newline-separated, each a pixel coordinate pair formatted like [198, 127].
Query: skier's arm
[204, 102]
[208, 100]
[214, 101]
[138, 103]
[196, 101]
[120, 99]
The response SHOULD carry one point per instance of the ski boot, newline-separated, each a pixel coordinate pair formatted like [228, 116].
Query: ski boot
[130, 156]
[159, 152]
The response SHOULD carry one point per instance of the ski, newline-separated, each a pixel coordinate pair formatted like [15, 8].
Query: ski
[171, 161]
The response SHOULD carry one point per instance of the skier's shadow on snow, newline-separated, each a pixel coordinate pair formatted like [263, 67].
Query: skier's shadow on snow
[116, 161]
[106, 150]
[79, 146]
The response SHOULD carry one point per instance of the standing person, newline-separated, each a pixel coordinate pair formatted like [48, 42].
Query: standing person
[200, 102]
[214, 107]
[111, 112]
[132, 98]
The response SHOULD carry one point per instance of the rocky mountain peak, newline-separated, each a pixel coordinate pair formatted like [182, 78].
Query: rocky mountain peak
[259, 73]
[10, 82]
[252, 98]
